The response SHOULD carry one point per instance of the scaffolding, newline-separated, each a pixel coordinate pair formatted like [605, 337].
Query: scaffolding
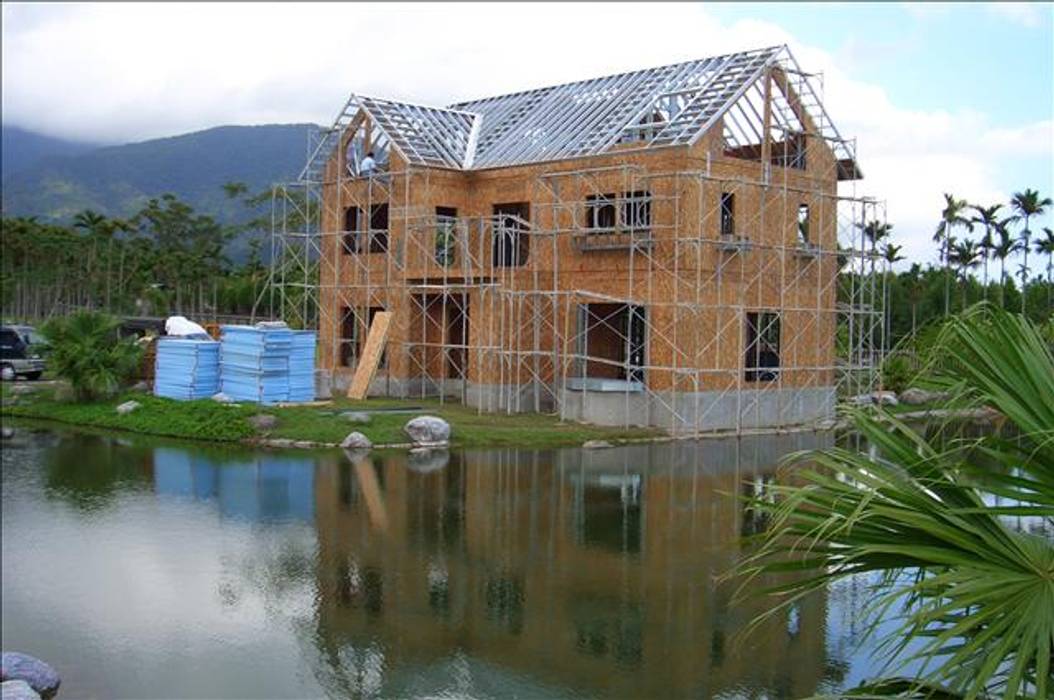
[733, 291]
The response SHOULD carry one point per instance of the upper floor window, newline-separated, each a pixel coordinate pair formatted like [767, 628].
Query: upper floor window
[803, 224]
[379, 228]
[512, 242]
[608, 212]
[351, 231]
[728, 214]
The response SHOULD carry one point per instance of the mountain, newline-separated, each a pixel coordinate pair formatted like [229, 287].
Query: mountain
[118, 180]
[21, 149]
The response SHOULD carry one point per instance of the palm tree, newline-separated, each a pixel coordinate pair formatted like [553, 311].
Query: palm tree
[988, 217]
[87, 351]
[1027, 204]
[92, 223]
[1002, 250]
[891, 254]
[964, 255]
[916, 288]
[951, 217]
[969, 591]
[1046, 245]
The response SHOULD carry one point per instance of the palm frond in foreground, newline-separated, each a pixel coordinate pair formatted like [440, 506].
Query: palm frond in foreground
[972, 592]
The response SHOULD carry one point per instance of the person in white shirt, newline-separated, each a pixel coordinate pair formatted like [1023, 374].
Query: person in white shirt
[368, 165]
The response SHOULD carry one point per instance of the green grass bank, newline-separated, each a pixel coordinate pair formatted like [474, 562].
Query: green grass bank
[211, 421]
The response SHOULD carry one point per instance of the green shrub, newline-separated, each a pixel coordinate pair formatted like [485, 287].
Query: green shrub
[87, 351]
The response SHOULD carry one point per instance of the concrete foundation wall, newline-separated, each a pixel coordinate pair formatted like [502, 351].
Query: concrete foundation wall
[706, 411]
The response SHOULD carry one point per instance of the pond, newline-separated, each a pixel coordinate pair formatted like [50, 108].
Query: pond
[145, 569]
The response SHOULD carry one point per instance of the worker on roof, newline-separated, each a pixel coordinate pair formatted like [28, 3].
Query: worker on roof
[368, 165]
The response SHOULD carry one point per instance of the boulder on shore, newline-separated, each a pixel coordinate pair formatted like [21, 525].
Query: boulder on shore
[127, 407]
[41, 677]
[356, 441]
[428, 430]
[17, 690]
[263, 422]
[596, 445]
[220, 397]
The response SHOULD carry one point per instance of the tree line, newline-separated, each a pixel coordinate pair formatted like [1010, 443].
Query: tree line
[166, 258]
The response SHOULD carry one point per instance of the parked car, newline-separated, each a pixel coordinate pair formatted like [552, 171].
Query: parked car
[20, 353]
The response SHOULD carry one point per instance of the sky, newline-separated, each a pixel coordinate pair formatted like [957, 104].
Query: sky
[940, 97]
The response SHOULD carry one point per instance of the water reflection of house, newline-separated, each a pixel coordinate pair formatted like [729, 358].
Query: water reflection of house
[578, 569]
[264, 488]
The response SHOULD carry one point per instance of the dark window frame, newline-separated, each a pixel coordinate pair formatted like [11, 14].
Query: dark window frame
[762, 345]
[728, 214]
[511, 242]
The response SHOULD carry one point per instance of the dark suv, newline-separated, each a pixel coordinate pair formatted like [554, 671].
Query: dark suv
[17, 356]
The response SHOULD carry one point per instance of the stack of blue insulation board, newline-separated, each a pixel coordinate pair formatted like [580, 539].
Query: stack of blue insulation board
[254, 363]
[302, 366]
[187, 369]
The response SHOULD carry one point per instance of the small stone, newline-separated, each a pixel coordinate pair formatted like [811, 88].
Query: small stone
[357, 417]
[356, 441]
[7, 374]
[916, 397]
[424, 460]
[7, 432]
[127, 407]
[17, 690]
[305, 444]
[428, 430]
[884, 398]
[141, 387]
[596, 444]
[263, 422]
[41, 677]
[220, 397]
[861, 400]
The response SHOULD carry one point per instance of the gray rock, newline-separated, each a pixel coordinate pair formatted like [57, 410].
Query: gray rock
[41, 677]
[916, 397]
[861, 400]
[7, 374]
[262, 422]
[884, 398]
[596, 444]
[18, 690]
[220, 397]
[7, 432]
[426, 459]
[127, 407]
[141, 387]
[356, 441]
[357, 417]
[428, 430]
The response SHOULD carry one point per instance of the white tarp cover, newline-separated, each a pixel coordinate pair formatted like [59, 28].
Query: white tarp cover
[183, 327]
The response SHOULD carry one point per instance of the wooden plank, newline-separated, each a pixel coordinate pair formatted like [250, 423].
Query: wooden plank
[371, 355]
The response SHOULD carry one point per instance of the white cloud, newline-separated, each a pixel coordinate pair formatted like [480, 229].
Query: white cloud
[123, 72]
[1027, 14]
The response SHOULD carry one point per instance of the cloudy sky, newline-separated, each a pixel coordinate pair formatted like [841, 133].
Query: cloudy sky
[946, 97]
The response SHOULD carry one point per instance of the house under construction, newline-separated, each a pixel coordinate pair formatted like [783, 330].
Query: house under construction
[660, 247]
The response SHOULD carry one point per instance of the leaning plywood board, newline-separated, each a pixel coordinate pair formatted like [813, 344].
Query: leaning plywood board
[371, 355]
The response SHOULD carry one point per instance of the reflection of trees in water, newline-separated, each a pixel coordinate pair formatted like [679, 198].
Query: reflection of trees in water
[89, 471]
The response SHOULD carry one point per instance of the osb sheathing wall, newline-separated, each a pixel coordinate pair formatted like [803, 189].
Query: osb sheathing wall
[695, 292]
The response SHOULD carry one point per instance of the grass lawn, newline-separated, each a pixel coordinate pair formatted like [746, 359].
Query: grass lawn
[208, 420]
